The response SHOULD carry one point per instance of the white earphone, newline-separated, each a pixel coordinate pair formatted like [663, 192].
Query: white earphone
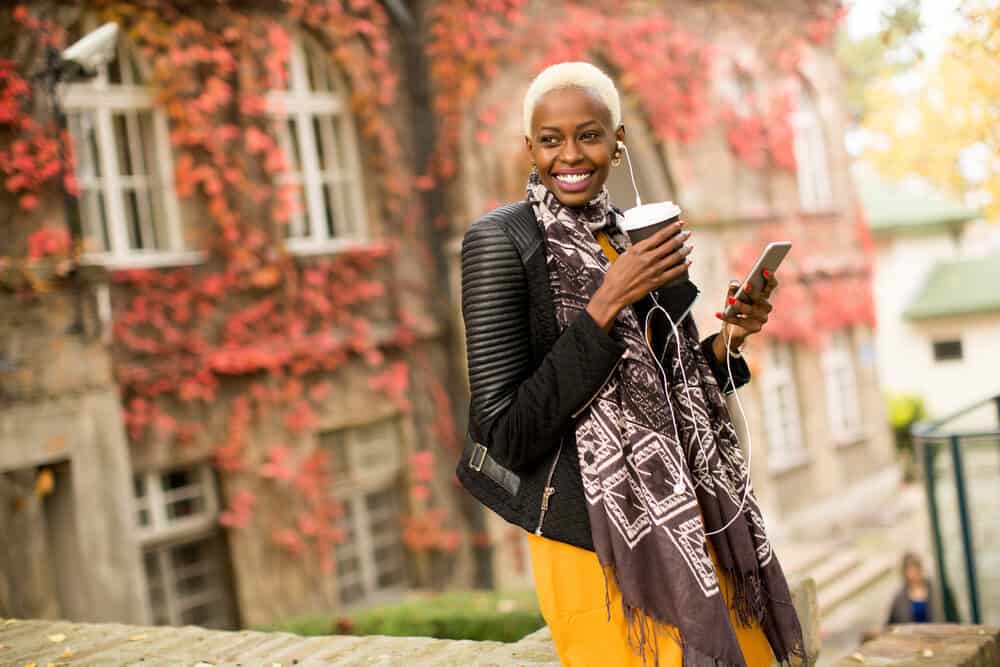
[679, 487]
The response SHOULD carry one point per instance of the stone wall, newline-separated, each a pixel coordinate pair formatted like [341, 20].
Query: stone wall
[930, 646]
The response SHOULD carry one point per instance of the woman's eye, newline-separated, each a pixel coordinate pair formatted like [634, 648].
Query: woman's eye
[549, 141]
[589, 136]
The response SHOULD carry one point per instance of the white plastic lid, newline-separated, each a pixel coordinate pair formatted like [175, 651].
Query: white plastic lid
[638, 217]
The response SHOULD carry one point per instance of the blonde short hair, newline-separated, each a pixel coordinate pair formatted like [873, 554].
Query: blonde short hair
[568, 75]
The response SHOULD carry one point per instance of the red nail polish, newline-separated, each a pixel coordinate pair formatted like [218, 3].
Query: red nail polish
[732, 300]
[747, 288]
[767, 274]
[719, 315]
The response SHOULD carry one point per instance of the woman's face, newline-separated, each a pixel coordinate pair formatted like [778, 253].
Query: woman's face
[572, 143]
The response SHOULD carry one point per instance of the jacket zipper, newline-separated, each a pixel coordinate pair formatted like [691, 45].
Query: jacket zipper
[549, 489]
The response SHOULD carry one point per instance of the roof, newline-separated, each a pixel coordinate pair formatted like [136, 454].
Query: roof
[961, 287]
[891, 209]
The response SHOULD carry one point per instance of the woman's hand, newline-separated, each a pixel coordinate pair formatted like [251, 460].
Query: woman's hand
[646, 266]
[751, 313]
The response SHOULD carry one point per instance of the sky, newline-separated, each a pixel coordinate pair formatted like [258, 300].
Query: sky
[939, 19]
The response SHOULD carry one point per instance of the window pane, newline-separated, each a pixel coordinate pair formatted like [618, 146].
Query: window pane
[384, 511]
[176, 479]
[349, 583]
[328, 210]
[295, 156]
[93, 211]
[948, 350]
[187, 584]
[338, 463]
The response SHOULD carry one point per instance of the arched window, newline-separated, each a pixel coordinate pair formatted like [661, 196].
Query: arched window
[318, 139]
[811, 159]
[128, 208]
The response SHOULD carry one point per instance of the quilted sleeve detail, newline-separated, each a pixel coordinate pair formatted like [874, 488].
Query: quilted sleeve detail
[519, 412]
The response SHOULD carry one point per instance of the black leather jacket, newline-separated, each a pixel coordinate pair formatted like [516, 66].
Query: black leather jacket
[529, 381]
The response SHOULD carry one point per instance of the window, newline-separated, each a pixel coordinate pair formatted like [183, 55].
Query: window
[841, 388]
[781, 409]
[947, 350]
[128, 208]
[367, 467]
[320, 147]
[811, 159]
[183, 550]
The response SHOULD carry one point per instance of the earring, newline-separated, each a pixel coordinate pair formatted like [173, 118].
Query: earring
[616, 160]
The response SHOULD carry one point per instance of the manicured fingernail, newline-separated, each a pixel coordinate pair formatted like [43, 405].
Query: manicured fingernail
[682, 222]
[767, 274]
[732, 300]
[719, 315]
[747, 287]
[687, 233]
[690, 261]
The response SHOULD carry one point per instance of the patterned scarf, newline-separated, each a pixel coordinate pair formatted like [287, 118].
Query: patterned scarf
[651, 495]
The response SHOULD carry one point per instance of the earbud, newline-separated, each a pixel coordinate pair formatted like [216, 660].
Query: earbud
[624, 149]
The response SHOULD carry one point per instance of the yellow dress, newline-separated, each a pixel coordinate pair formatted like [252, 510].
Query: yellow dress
[570, 587]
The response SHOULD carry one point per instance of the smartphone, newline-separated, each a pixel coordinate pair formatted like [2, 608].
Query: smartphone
[770, 259]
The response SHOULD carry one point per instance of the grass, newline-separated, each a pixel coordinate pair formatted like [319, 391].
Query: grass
[477, 615]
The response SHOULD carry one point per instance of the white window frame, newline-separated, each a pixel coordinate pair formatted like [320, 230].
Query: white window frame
[840, 381]
[812, 163]
[101, 100]
[303, 105]
[156, 499]
[162, 535]
[367, 476]
[782, 417]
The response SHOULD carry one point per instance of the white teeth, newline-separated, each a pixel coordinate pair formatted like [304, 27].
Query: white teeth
[573, 178]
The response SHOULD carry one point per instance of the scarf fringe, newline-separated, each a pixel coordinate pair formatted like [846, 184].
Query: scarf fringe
[749, 597]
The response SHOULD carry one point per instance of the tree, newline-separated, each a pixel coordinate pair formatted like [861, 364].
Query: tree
[947, 130]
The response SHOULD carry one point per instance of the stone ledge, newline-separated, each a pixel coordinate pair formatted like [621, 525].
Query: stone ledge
[113, 645]
[930, 646]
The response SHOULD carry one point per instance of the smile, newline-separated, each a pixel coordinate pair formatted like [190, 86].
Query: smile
[573, 181]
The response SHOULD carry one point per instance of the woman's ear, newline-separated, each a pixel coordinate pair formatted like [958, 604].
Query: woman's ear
[527, 144]
[620, 133]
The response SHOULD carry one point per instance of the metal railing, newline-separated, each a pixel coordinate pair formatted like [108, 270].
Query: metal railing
[960, 457]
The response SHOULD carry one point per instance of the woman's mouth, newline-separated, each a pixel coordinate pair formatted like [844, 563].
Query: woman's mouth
[573, 181]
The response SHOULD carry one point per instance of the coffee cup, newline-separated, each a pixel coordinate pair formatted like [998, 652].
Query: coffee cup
[641, 222]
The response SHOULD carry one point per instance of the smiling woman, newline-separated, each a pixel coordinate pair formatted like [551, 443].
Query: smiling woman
[610, 441]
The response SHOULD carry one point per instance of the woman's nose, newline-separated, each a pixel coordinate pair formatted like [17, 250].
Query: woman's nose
[571, 152]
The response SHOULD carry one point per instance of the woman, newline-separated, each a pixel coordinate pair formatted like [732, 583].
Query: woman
[914, 602]
[615, 451]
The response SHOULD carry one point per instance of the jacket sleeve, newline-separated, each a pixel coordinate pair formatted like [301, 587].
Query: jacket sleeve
[741, 372]
[519, 412]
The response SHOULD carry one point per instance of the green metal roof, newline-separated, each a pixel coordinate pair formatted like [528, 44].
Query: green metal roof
[892, 210]
[958, 288]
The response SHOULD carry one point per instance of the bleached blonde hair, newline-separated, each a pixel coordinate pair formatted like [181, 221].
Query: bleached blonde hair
[568, 75]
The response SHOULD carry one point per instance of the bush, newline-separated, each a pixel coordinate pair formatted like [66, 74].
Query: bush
[482, 616]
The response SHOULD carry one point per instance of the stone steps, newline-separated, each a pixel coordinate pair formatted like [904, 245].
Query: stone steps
[840, 571]
[854, 581]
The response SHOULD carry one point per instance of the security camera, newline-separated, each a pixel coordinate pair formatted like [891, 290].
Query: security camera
[93, 49]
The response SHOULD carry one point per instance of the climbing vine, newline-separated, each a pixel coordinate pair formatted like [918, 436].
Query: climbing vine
[253, 330]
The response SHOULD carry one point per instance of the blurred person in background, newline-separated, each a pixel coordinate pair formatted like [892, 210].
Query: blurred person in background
[914, 603]
[608, 441]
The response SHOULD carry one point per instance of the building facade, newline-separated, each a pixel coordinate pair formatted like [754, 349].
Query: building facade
[236, 407]
[939, 320]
